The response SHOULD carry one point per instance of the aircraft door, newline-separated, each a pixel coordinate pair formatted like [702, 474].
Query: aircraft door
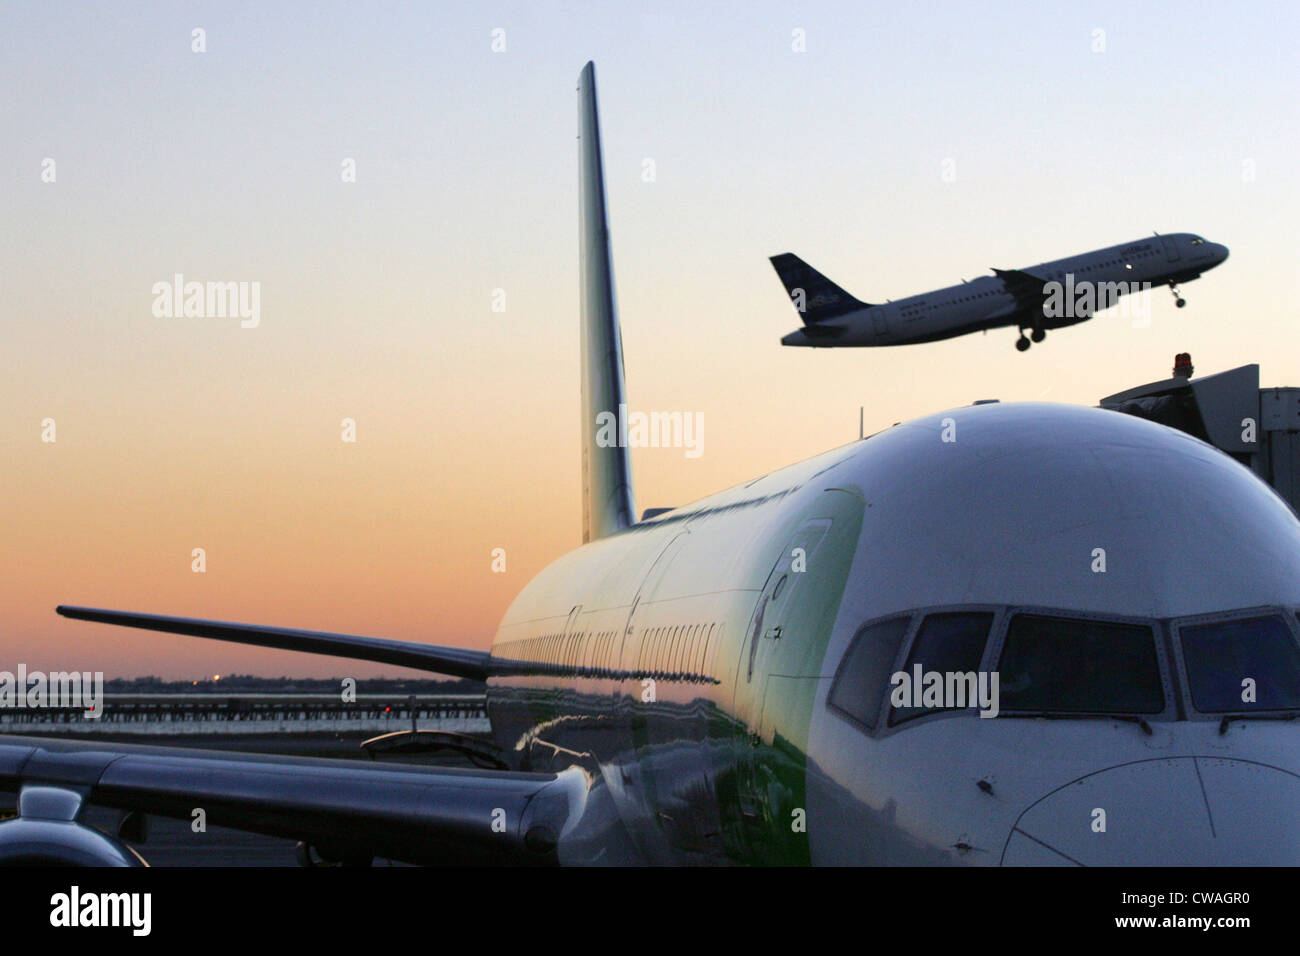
[778, 676]
[769, 624]
[630, 644]
[878, 324]
[1171, 249]
[632, 789]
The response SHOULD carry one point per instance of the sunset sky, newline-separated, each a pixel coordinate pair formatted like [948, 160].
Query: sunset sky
[376, 295]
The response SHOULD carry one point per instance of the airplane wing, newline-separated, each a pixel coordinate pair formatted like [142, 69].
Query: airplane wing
[348, 810]
[1027, 289]
[455, 661]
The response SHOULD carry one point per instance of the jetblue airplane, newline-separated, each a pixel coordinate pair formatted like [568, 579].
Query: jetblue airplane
[1006, 634]
[1050, 295]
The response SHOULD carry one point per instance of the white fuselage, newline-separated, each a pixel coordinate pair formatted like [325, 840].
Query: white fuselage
[684, 665]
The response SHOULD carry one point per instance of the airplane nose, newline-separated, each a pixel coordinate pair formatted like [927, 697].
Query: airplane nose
[1222, 252]
[1182, 811]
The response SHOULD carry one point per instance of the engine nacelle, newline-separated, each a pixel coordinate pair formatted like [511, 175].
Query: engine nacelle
[48, 832]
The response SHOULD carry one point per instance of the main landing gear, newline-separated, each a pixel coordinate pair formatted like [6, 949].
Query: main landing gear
[1178, 296]
[1022, 343]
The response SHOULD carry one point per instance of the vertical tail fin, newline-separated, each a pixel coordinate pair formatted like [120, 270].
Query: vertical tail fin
[607, 502]
[816, 297]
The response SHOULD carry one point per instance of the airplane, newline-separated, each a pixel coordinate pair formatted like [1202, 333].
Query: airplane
[1050, 295]
[717, 683]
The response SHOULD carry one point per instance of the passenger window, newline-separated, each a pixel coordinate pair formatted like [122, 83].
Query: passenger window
[947, 644]
[1070, 666]
[1221, 656]
[863, 678]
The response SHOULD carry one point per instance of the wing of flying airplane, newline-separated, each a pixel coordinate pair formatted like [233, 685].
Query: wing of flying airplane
[1028, 290]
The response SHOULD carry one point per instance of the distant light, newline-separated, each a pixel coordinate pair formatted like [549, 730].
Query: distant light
[216, 677]
[1128, 265]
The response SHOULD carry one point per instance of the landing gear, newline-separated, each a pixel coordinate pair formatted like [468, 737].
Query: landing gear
[1035, 333]
[1178, 297]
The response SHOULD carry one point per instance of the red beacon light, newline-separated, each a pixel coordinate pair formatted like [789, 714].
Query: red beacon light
[1183, 365]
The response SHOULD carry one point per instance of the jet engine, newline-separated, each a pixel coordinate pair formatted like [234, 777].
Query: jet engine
[48, 832]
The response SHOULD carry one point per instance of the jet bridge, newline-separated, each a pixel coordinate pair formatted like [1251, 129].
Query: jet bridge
[1260, 427]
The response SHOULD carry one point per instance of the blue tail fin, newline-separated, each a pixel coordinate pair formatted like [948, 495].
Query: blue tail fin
[815, 297]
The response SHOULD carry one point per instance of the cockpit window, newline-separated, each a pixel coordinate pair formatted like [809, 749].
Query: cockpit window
[1242, 665]
[949, 644]
[1197, 241]
[863, 678]
[1072, 666]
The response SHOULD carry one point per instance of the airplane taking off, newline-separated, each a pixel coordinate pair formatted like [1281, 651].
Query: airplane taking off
[1020, 634]
[1050, 295]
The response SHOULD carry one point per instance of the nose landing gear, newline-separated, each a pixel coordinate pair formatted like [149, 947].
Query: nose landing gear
[1178, 296]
